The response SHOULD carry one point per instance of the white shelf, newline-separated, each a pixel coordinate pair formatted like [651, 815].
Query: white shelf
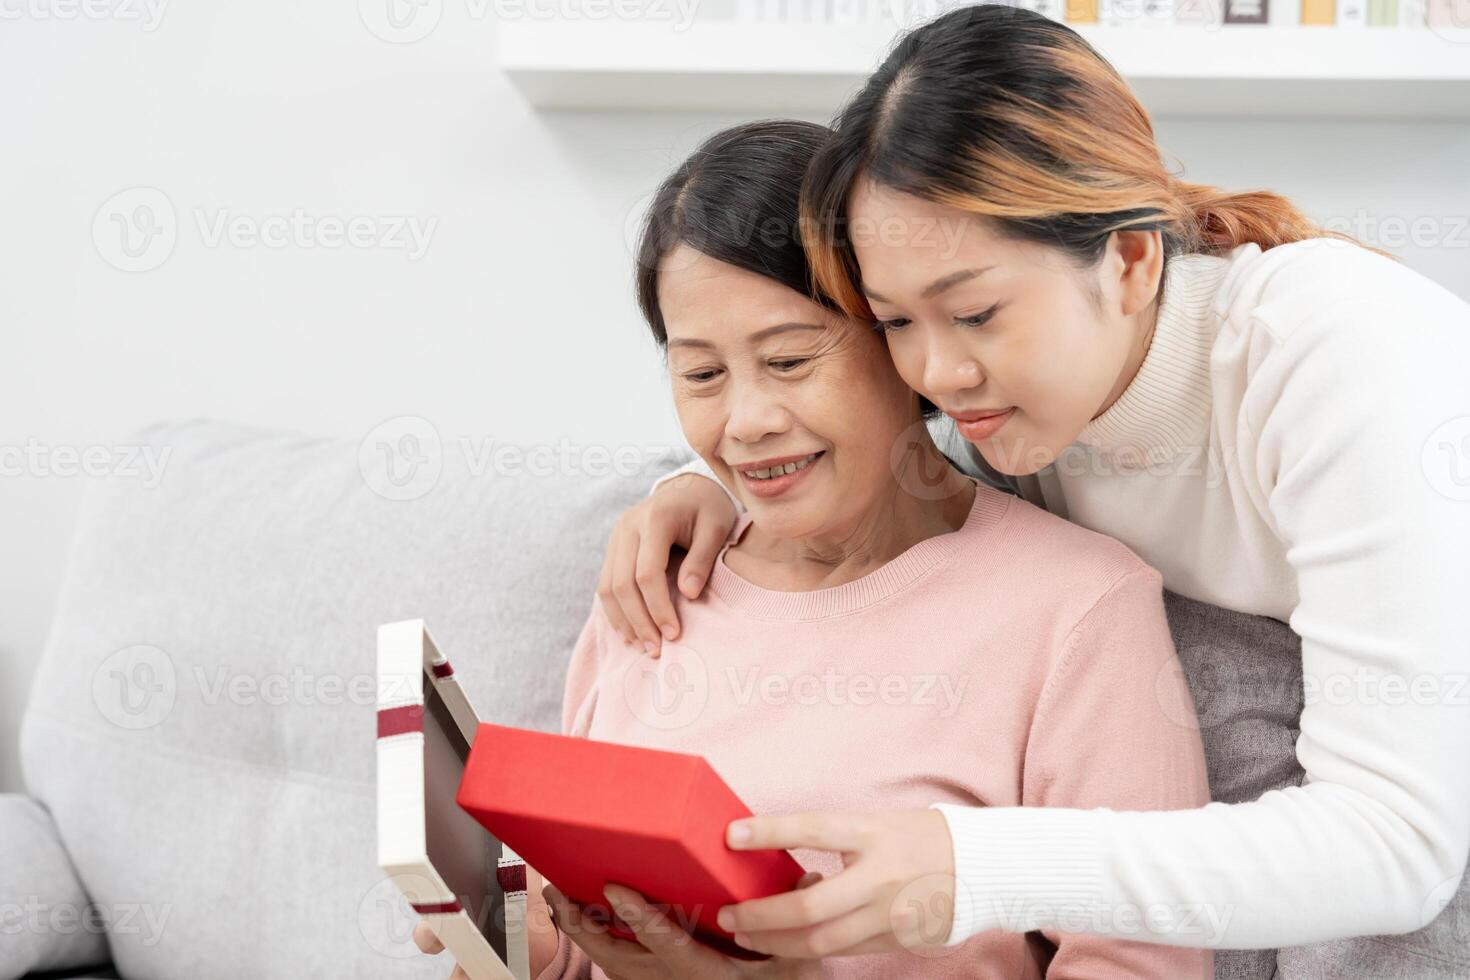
[1242, 70]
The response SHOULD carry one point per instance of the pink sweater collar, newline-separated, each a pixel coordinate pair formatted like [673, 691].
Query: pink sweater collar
[989, 507]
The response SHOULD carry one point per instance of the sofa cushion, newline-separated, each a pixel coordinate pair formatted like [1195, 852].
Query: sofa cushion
[202, 723]
[46, 919]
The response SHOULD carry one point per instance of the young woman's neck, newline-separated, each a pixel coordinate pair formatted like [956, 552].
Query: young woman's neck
[898, 520]
[1145, 322]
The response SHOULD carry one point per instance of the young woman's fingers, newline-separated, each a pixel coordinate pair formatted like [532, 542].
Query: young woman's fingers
[650, 571]
[610, 605]
[706, 539]
[425, 940]
[627, 595]
[823, 831]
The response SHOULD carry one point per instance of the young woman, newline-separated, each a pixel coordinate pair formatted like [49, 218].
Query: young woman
[1271, 415]
[870, 603]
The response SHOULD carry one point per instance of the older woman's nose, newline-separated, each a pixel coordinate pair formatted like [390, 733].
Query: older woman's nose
[755, 414]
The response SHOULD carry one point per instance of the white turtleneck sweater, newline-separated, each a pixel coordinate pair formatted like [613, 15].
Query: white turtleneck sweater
[1296, 444]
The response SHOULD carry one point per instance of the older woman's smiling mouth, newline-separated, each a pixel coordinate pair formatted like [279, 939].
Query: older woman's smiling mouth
[776, 475]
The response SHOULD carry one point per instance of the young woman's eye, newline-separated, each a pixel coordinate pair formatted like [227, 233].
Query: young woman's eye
[889, 326]
[977, 320]
[789, 363]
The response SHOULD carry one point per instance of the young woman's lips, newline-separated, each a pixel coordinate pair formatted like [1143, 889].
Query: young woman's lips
[777, 485]
[983, 428]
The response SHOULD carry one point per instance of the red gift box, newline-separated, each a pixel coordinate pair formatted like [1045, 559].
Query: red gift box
[586, 813]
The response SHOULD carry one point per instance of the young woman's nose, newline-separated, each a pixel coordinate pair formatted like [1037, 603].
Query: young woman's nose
[948, 367]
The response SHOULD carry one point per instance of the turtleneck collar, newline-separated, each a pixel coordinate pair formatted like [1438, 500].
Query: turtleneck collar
[1166, 408]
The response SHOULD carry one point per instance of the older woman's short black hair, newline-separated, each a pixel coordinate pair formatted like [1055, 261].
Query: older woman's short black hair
[736, 199]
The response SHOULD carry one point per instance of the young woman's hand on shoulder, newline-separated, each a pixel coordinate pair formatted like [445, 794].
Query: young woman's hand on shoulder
[690, 511]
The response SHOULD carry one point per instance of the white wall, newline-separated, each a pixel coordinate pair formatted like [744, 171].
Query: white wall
[516, 324]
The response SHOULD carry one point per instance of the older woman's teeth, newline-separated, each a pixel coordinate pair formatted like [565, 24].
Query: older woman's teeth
[775, 471]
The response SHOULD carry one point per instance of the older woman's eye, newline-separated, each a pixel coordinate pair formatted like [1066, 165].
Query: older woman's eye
[889, 326]
[790, 363]
[700, 377]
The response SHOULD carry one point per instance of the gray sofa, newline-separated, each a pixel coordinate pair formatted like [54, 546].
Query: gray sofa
[198, 746]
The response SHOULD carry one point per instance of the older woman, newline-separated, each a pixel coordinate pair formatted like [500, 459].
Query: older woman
[882, 630]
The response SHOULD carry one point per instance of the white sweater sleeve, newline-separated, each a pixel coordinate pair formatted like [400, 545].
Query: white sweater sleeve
[1356, 444]
[699, 467]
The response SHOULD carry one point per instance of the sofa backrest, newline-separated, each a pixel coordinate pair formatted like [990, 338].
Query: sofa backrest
[202, 723]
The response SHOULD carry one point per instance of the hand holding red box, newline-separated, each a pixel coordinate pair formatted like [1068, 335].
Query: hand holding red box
[586, 814]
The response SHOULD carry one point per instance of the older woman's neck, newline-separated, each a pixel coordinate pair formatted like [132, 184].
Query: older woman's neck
[928, 498]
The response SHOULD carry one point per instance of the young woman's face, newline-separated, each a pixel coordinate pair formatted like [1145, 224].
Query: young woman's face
[763, 377]
[979, 324]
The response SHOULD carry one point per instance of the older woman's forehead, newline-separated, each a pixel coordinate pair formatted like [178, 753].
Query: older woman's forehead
[731, 311]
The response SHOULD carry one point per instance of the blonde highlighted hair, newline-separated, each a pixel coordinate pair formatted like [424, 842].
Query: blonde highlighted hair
[1002, 112]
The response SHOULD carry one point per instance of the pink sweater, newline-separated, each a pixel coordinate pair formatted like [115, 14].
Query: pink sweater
[1019, 661]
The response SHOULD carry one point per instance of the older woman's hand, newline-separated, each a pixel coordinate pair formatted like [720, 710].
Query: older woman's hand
[690, 511]
[664, 950]
[541, 931]
[427, 942]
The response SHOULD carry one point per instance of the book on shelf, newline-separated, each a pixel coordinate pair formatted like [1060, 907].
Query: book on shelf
[1346, 14]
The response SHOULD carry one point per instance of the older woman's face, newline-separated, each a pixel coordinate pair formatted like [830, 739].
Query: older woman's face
[767, 381]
